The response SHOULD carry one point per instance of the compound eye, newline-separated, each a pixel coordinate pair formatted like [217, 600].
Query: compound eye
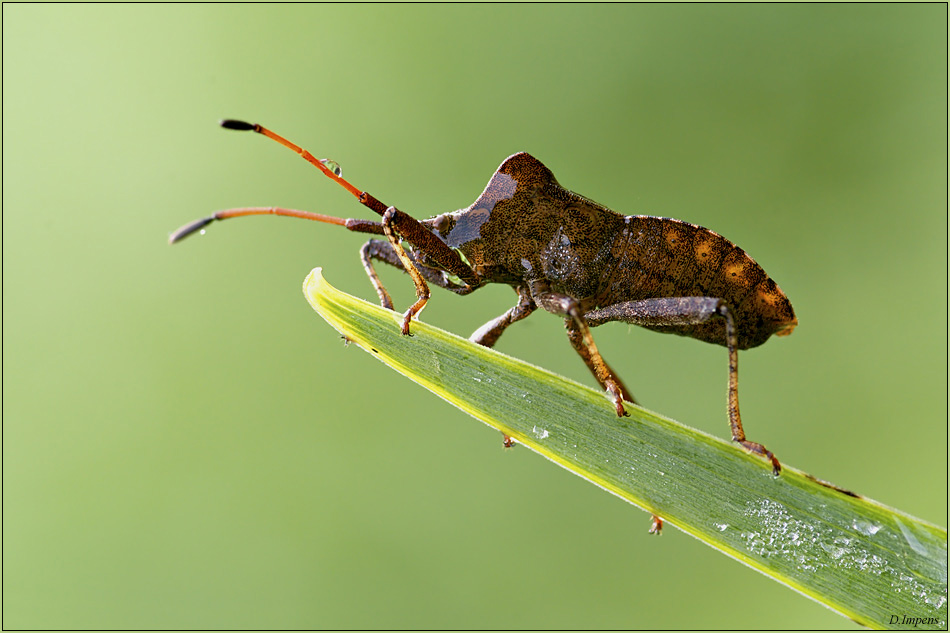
[442, 223]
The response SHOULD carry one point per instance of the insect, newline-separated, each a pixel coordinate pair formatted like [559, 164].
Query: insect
[568, 255]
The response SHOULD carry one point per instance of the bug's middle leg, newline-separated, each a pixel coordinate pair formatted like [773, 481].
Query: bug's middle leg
[576, 337]
[570, 308]
[680, 311]
[489, 333]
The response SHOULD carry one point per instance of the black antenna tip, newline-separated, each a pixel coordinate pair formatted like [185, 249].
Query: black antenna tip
[188, 229]
[234, 124]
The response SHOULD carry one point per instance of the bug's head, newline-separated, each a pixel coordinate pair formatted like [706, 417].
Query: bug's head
[442, 224]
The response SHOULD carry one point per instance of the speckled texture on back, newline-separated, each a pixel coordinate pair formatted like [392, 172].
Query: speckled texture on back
[526, 227]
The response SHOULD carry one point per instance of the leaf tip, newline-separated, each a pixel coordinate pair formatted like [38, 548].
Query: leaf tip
[313, 285]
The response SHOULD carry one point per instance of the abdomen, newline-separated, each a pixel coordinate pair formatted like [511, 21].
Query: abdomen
[662, 257]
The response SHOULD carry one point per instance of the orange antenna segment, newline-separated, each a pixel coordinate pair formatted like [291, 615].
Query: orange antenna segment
[233, 124]
[198, 225]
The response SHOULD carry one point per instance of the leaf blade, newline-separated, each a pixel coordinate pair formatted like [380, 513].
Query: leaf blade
[865, 560]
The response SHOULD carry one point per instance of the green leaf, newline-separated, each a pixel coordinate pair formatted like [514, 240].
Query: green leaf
[865, 560]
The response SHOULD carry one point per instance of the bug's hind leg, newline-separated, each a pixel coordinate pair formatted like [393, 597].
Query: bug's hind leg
[684, 311]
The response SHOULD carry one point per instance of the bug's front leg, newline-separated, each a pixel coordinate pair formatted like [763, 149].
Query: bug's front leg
[397, 225]
[680, 311]
[422, 289]
[382, 251]
[379, 250]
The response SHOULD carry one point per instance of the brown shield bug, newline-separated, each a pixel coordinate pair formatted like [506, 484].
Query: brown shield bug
[571, 256]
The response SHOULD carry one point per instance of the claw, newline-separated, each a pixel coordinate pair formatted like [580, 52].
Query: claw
[776, 467]
[621, 412]
[617, 393]
[407, 317]
[758, 449]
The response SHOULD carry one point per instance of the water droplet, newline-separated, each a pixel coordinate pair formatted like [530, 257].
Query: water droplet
[333, 166]
[865, 527]
[539, 433]
[936, 600]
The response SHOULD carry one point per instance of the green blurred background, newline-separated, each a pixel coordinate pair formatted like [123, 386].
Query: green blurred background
[186, 444]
